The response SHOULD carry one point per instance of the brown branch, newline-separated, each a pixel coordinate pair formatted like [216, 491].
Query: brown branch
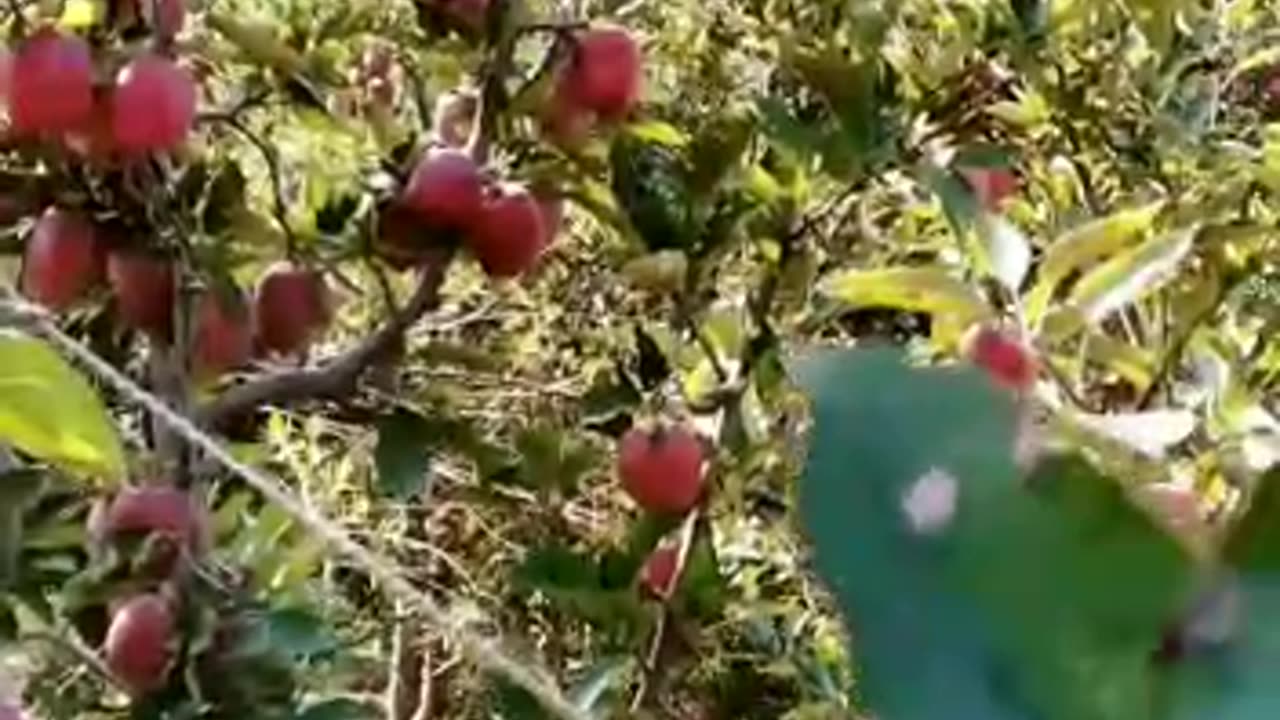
[340, 375]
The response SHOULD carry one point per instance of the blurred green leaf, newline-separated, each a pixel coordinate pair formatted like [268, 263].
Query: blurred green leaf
[403, 454]
[952, 570]
[50, 411]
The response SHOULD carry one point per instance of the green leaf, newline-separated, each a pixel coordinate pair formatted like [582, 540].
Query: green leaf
[1129, 276]
[49, 411]
[954, 572]
[930, 290]
[1083, 246]
[403, 454]
[300, 633]
[878, 426]
[19, 488]
[656, 131]
[551, 458]
[1254, 542]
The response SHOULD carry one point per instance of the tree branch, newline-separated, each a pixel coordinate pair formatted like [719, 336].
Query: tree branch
[340, 375]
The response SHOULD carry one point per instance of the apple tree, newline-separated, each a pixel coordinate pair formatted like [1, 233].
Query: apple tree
[533, 358]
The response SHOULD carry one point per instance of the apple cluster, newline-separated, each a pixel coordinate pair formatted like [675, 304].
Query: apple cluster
[67, 259]
[169, 528]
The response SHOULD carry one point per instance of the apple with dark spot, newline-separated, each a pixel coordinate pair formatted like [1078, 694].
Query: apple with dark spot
[661, 468]
[510, 237]
[63, 260]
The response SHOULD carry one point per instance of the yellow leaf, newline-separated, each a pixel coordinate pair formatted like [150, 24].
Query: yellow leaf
[48, 410]
[925, 289]
[1083, 246]
[81, 14]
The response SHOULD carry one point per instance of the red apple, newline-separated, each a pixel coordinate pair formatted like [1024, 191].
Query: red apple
[51, 88]
[154, 105]
[63, 260]
[446, 189]
[147, 509]
[605, 74]
[661, 469]
[145, 287]
[991, 186]
[290, 308]
[140, 643]
[510, 237]
[659, 574]
[11, 711]
[1010, 362]
[223, 337]
[453, 117]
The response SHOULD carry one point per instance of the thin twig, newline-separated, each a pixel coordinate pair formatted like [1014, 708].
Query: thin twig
[280, 209]
[338, 376]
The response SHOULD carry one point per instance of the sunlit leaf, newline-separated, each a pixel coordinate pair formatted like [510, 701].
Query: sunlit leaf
[1129, 276]
[1083, 246]
[916, 289]
[49, 410]
[1006, 250]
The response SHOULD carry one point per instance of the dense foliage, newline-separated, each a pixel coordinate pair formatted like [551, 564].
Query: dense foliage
[524, 296]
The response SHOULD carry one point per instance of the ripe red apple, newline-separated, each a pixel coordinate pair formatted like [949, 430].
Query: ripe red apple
[6, 73]
[446, 189]
[223, 338]
[146, 509]
[63, 259]
[659, 574]
[510, 237]
[1010, 362]
[291, 306]
[140, 643]
[11, 711]
[144, 286]
[154, 105]
[991, 186]
[661, 469]
[453, 117]
[605, 74]
[51, 87]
